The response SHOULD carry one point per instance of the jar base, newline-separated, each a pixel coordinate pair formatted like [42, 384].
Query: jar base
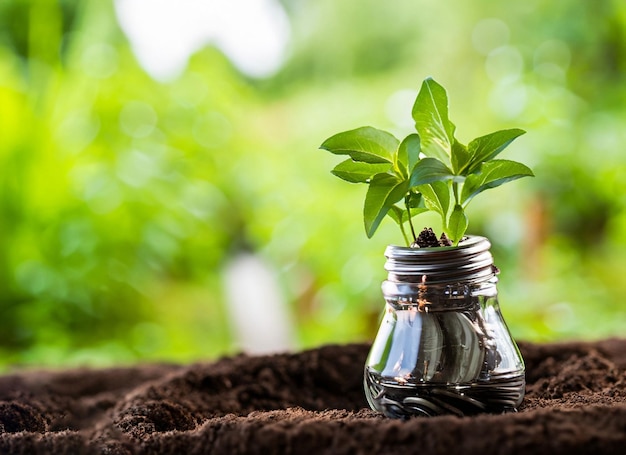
[403, 401]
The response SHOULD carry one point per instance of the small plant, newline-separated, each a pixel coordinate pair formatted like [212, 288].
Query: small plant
[429, 170]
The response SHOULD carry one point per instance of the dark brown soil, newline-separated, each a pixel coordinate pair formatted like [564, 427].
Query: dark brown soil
[309, 402]
[428, 239]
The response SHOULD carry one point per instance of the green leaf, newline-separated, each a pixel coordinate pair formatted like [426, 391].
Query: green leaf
[417, 210]
[437, 197]
[365, 144]
[492, 174]
[460, 157]
[414, 200]
[485, 148]
[409, 152]
[383, 192]
[430, 113]
[400, 215]
[458, 224]
[397, 214]
[429, 170]
[358, 172]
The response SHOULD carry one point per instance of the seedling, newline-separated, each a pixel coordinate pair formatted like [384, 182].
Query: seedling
[429, 170]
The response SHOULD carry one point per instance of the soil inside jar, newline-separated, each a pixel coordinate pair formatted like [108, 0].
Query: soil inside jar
[428, 239]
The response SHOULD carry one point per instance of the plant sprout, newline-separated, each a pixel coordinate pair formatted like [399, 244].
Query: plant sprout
[429, 170]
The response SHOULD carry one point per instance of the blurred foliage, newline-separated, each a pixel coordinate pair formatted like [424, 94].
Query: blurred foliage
[122, 198]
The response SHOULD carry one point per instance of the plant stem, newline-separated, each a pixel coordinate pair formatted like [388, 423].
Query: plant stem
[455, 189]
[407, 201]
[406, 239]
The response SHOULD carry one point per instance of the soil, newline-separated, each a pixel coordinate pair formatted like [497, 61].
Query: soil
[307, 402]
[428, 239]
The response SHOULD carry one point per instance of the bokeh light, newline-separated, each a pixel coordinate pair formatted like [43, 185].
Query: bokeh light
[146, 147]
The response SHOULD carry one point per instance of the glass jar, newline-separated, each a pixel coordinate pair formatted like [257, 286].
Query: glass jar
[443, 346]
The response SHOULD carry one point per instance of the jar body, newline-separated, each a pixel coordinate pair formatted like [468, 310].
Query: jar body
[443, 348]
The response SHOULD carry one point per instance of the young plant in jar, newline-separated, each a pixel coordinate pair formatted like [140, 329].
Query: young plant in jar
[443, 346]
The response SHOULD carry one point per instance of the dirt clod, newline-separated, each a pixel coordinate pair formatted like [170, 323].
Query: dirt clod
[444, 240]
[428, 239]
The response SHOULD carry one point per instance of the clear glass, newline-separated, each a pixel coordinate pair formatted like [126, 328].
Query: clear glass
[443, 348]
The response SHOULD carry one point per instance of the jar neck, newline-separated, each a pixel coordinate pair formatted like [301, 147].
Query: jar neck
[439, 297]
[469, 262]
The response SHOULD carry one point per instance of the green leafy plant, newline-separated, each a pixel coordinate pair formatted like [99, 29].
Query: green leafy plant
[429, 170]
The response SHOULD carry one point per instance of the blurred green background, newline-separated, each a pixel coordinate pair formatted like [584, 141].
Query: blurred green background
[126, 195]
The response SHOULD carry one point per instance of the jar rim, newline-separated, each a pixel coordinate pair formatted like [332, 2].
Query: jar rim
[470, 260]
[469, 242]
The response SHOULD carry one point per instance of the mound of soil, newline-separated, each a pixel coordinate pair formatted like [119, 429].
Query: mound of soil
[308, 402]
